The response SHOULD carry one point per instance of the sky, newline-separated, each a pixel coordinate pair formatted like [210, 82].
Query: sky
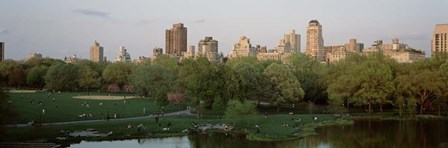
[60, 28]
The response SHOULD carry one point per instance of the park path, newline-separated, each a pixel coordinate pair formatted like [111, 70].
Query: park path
[183, 112]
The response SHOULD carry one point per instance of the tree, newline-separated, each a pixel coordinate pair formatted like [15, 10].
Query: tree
[6, 67]
[376, 84]
[362, 80]
[225, 77]
[7, 111]
[285, 86]
[17, 77]
[35, 76]
[154, 81]
[88, 77]
[251, 60]
[198, 77]
[240, 110]
[342, 81]
[62, 77]
[424, 85]
[167, 62]
[342, 90]
[311, 75]
[117, 73]
[247, 79]
[35, 62]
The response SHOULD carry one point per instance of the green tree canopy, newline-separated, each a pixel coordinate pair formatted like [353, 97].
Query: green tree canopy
[311, 75]
[285, 86]
[240, 110]
[35, 76]
[62, 77]
[153, 80]
[89, 78]
[117, 73]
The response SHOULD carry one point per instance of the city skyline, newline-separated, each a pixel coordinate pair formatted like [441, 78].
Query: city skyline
[58, 29]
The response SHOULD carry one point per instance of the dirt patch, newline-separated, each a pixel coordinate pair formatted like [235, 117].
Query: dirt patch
[104, 97]
[23, 91]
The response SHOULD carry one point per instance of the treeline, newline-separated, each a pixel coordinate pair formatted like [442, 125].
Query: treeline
[369, 81]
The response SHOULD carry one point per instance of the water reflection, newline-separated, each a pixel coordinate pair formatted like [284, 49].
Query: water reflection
[377, 133]
[235, 141]
[177, 142]
[365, 133]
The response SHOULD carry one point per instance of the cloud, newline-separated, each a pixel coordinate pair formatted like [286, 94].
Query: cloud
[3, 31]
[199, 21]
[90, 12]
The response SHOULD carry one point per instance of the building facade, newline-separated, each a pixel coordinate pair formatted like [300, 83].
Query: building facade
[314, 41]
[243, 49]
[72, 59]
[340, 52]
[96, 52]
[176, 40]
[208, 47]
[2, 51]
[156, 52]
[123, 55]
[288, 45]
[293, 40]
[190, 53]
[400, 52]
[142, 59]
[34, 56]
[439, 38]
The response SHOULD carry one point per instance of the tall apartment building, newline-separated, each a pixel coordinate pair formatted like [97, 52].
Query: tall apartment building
[189, 54]
[123, 55]
[243, 48]
[337, 53]
[288, 45]
[157, 51]
[439, 38]
[208, 47]
[176, 40]
[96, 52]
[315, 41]
[400, 52]
[2, 51]
[294, 41]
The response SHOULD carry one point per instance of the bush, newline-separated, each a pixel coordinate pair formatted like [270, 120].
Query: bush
[240, 110]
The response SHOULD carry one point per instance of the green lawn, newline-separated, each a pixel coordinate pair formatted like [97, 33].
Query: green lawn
[66, 108]
[270, 127]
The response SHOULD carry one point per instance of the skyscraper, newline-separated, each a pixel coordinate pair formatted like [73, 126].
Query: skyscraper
[96, 52]
[315, 41]
[123, 55]
[2, 51]
[176, 40]
[208, 47]
[294, 41]
[290, 43]
[243, 49]
[439, 38]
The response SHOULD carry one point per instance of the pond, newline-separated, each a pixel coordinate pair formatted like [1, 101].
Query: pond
[364, 133]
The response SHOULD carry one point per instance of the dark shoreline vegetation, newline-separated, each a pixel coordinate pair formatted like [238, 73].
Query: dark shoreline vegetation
[270, 130]
[242, 93]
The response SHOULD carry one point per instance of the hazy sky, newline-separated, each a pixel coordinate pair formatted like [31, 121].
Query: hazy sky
[59, 28]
